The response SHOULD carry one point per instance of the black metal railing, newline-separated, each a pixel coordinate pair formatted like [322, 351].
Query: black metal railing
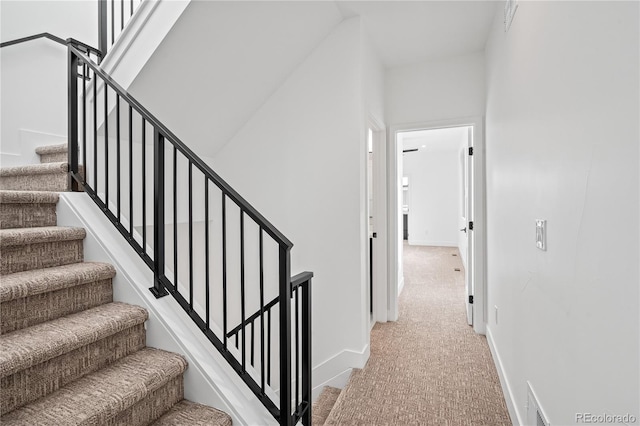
[207, 246]
[85, 48]
[113, 16]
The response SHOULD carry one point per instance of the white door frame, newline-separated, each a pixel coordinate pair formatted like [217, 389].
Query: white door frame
[393, 213]
[380, 253]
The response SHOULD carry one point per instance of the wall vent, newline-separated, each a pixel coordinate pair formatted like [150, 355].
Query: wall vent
[535, 414]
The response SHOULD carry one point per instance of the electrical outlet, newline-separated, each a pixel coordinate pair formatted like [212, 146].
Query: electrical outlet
[495, 307]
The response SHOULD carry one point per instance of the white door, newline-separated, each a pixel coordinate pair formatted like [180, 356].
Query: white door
[468, 224]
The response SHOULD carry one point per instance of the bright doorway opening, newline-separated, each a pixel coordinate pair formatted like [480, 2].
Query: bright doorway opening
[436, 198]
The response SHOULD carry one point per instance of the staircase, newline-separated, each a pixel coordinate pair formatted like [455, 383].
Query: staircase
[68, 353]
[330, 401]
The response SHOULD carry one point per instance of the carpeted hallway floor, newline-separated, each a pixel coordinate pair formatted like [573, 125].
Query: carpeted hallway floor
[429, 367]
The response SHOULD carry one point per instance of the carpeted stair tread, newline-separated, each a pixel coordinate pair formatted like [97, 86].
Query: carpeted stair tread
[45, 234]
[35, 169]
[52, 149]
[28, 197]
[27, 209]
[323, 405]
[37, 281]
[30, 346]
[342, 399]
[193, 414]
[101, 397]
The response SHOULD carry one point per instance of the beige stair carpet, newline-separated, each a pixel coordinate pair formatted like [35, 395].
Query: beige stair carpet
[35, 177]
[52, 153]
[323, 405]
[429, 367]
[69, 355]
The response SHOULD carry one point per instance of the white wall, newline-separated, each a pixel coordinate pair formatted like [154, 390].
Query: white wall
[434, 196]
[33, 81]
[562, 144]
[435, 90]
[295, 161]
[373, 77]
[222, 60]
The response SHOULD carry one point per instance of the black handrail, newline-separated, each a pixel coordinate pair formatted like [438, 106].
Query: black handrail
[294, 328]
[70, 41]
[204, 167]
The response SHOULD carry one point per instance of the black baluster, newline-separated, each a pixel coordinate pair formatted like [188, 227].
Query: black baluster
[106, 145]
[130, 172]
[113, 23]
[252, 343]
[118, 156]
[158, 289]
[190, 236]
[284, 297]
[206, 246]
[72, 116]
[224, 270]
[85, 72]
[262, 372]
[95, 132]
[175, 218]
[297, 350]
[102, 29]
[242, 295]
[144, 186]
[269, 347]
[306, 351]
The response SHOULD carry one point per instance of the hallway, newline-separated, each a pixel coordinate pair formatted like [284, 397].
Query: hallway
[429, 367]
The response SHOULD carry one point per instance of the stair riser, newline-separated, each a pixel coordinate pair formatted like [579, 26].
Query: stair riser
[27, 215]
[40, 380]
[151, 407]
[54, 158]
[39, 308]
[40, 255]
[41, 182]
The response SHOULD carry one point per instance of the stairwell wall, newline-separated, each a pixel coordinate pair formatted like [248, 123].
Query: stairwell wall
[562, 145]
[33, 75]
[300, 161]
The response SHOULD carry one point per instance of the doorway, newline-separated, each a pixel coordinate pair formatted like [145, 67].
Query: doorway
[455, 151]
[375, 223]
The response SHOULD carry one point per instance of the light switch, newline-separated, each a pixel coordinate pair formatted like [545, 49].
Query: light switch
[541, 234]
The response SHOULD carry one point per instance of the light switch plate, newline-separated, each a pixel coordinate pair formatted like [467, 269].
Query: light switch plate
[541, 234]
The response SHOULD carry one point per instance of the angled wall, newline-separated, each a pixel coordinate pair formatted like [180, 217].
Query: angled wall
[300, 161]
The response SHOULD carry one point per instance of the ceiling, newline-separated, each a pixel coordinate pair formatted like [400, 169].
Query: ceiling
[244, 50]
[449, 139]
[407, 32]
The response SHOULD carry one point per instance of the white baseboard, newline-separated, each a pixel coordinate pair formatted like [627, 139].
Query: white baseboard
[336, 370]
[432, 243]
[516, 419]
[400, 286]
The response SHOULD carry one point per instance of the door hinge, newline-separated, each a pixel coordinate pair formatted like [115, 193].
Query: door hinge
[471, 299]
[470, 150]
[471, 226]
